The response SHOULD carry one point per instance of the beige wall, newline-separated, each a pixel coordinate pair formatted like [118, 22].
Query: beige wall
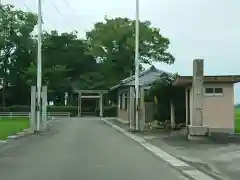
[123, 114]
[218, 111]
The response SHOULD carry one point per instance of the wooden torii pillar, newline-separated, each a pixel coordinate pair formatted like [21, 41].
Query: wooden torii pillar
[88, 96]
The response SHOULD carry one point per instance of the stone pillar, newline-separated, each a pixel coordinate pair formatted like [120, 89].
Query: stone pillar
[196, 128]
[197, 86]
[142, 110]
[33, 110]
[173, 123]
[44, 108]
[101, 105]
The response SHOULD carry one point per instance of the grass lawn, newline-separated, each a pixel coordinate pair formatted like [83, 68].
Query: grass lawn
[12, 125]
[237, 120]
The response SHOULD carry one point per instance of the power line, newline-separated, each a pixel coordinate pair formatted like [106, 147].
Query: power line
[58, 11]
[28, 9]
[66, 2]
[71, 10]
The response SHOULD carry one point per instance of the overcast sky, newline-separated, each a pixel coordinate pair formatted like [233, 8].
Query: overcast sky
[208, 29]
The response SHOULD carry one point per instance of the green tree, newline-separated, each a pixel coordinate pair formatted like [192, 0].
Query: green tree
[16, 27]
[112, 43]
[64, 64]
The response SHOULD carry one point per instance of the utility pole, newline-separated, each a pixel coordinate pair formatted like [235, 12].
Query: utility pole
[137, 65]
[39, 66]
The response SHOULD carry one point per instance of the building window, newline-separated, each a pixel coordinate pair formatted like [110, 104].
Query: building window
[218, 91]
[209, 90]
[213, 91]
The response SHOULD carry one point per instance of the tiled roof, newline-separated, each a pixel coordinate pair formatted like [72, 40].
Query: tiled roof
[145, 78]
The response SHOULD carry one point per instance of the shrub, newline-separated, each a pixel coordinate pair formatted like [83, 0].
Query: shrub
[73, 110]
[108, 111]
[18, 108]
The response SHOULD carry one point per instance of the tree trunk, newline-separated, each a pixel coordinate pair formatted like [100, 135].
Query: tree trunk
[3, 95]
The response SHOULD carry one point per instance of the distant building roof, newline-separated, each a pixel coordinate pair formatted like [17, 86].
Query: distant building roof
[146, 78]
[187, 80]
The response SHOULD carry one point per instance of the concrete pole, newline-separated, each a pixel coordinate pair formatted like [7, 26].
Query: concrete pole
[137, 64]
[39, 65]
[33, 110]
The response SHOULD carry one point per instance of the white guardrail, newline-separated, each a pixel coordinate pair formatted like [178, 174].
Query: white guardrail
[28, 114]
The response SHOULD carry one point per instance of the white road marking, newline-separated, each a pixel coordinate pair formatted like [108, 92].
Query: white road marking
[197, 175]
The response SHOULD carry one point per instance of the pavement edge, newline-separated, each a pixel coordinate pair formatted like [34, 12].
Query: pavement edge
[186, 169]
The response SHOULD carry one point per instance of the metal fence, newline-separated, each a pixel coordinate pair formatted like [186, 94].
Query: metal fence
[28, 114]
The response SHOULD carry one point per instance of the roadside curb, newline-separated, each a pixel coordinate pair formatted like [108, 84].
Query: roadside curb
[19, 134]
[185, 168]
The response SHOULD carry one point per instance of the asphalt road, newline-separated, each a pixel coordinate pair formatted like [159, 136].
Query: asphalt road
[81, 150]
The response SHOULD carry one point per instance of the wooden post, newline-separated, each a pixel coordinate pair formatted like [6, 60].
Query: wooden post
[173, 123]
[187, 105]
[101, 105]
[131, 108]
[142, 109]
[79, 104]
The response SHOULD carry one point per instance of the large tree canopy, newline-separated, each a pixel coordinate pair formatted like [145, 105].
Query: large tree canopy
[64, 63]
[16, 27]
[99, 61]
[112, 43]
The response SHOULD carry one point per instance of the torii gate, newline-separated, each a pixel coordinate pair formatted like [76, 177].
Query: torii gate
[99, 96]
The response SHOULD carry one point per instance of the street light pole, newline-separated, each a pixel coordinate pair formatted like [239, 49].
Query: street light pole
[39, 65]
[137, 66]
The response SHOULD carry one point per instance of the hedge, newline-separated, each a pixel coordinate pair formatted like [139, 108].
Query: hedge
[109, 111]
[19, 108]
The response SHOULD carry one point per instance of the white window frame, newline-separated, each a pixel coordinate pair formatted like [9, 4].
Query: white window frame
[213, 94]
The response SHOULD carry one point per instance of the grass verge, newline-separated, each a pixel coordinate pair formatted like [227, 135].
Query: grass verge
[237, 120]
[12, 125]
